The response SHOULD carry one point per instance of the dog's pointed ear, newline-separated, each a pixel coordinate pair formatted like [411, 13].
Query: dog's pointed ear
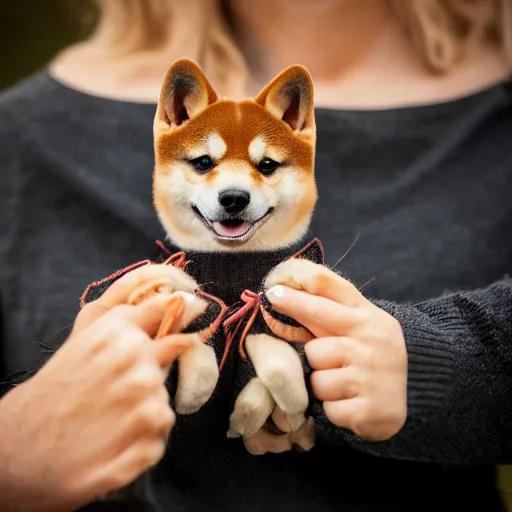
[290, 98]
[185, 93]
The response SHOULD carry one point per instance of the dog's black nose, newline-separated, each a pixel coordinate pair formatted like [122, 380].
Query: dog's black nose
[233, 200]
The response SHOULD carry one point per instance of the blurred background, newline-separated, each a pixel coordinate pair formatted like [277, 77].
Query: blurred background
[34, 30]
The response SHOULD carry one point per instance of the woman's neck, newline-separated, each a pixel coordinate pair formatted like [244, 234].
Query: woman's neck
[356, 52]
[329, 37]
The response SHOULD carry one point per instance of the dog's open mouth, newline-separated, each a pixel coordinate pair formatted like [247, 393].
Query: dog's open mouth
[232, 229]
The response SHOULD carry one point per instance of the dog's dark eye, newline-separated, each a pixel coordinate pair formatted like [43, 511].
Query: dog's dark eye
[267, 166]
[202, 163]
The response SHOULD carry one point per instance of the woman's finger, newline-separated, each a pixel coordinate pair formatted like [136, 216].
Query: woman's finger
[332, 352]
[326, 283]
[168, 349]
[323, 317]
[337, 384]
[119, 291]
[343, 413]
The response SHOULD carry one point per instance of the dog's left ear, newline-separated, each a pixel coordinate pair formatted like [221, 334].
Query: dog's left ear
[289, 97]
[185, 93]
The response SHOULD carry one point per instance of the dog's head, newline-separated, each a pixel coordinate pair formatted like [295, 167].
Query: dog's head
[234, 175]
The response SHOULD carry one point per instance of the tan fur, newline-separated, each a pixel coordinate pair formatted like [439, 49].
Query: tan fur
[279, 367]
[180, 282]
[295, 273]
[305, 436]
[252, 408]
[280, 420]
[264, 442]
[198, 376]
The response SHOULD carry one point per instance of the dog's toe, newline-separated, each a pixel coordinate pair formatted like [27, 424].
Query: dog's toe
[253, 406]
[279, 367]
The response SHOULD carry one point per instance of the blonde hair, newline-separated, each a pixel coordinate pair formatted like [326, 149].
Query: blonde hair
[441, 31]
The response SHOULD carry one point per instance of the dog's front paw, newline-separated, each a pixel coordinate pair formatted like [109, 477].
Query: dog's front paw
[279, 367]
[252, 408]
[198, 319]
[265, 441]
[295, 273]
[300, 274]
[198, 376]
[179, 282]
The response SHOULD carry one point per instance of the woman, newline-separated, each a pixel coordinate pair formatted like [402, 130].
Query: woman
[414, 124]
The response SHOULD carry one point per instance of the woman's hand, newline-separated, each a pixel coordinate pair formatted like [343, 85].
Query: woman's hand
[359, 357]
[97, 415]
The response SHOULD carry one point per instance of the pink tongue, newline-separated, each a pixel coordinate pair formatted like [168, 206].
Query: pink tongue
[230, 230]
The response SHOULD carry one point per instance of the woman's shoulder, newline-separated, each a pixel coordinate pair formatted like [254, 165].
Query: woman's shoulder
[22, 110]
[57, 120]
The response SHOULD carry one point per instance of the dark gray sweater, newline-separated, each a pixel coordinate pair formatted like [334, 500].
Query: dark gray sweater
[430, 190]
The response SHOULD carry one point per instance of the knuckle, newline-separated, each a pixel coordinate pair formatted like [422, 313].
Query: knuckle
[353, 384]
[146, 378]
[154, 417]
[168, 419]
[150, 453]
[128, 347]
[147, 415]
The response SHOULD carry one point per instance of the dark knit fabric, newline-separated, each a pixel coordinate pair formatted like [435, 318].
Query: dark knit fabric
[429, 190]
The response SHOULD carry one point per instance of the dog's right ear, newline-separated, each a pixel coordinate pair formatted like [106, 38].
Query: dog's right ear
[289, 98]
[184, 94]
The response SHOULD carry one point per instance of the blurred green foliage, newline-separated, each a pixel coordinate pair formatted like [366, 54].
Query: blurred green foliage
[32, 31]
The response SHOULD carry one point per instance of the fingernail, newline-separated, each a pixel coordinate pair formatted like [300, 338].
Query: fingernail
[275, 293]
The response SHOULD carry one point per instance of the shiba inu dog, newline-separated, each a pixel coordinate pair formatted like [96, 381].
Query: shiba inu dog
[229, 175]
[235, 176]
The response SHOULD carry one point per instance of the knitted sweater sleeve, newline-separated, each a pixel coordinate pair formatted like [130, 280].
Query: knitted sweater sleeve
[459, 381]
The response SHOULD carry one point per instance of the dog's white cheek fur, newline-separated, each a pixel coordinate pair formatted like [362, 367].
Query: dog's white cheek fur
[287, 194]
[174, 192]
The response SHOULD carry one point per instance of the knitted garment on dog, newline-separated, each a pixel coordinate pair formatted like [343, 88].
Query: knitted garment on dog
[232, 279]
